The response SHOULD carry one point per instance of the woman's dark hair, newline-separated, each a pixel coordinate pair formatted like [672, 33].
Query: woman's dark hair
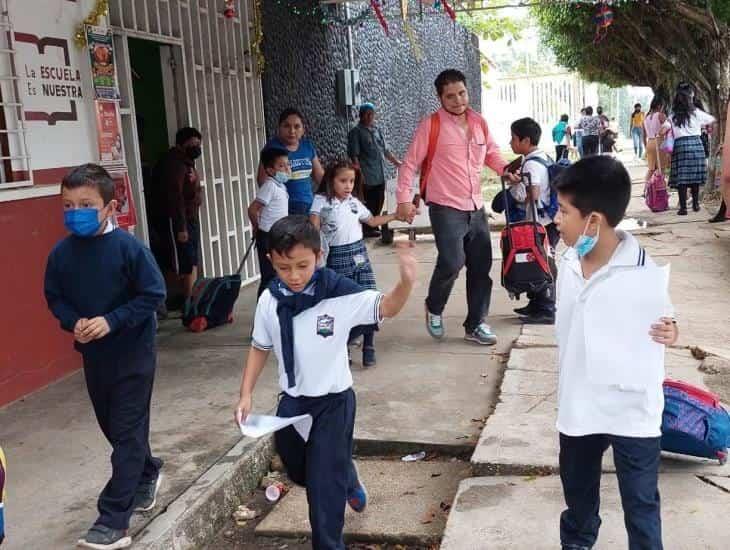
[527, 128]
[564, 118]
[91, 175]
[637, 105]
[184, 134]
[286, 113]
[589, 111]
[657, 104]
[683, 105]
[292, 230]
[449, 76]
[327, 185]
[597, 184]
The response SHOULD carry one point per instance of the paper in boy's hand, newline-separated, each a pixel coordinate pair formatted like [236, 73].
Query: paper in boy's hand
[257, 425]
[619, 350]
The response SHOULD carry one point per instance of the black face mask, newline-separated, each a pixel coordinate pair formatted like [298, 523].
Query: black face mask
[193, 152]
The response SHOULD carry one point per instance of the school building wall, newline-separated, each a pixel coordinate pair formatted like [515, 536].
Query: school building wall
[304, 55]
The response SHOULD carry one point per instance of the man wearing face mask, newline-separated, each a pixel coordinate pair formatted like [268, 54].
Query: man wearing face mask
[178, 198]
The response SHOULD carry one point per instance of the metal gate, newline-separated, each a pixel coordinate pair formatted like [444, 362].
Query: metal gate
[219, 93]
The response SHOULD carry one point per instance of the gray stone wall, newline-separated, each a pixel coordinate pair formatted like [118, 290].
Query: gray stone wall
[303, 56]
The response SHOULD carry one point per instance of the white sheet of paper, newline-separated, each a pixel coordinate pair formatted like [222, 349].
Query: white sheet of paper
[619, 350]
[257, 425]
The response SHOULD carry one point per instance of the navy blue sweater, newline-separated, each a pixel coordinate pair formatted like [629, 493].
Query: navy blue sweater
[111, 275]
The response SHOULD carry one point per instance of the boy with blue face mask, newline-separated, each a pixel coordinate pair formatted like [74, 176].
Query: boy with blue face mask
[104, 286]
[599, 406]
[271, 204]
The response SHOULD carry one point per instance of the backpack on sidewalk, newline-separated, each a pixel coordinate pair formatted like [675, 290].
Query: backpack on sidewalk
[554, 170]
[213, 298]
[656, 193]
[694, 423]
[525, 252]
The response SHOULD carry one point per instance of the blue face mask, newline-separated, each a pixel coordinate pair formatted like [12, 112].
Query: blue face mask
[585, 244]
[281, 177]
[82, 222]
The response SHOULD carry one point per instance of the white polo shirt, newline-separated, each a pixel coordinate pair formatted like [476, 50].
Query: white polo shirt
[340, 219]
[275, 198]
[585, 407]
[540, 178]
[321, 365]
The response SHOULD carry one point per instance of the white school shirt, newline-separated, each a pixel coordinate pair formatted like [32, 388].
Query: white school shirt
[586, 408]
[697, 120]
[275, 198]
[540, 178]
[321, 365]
[340, 220]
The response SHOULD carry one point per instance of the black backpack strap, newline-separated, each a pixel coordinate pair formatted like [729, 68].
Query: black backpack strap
[642, 257]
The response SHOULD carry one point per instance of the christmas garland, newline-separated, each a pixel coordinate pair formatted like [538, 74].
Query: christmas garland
[101, 9]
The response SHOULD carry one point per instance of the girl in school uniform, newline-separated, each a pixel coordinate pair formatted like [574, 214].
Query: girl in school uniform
[689, 165]
[338, 212]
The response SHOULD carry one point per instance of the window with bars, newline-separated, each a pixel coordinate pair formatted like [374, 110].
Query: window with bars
[14, 158]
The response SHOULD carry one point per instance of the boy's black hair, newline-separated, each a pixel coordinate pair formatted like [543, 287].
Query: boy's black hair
[327, 185]
[527, 128]
[91, 175]
[184, 134]
[291, 111]
[449, 76]
[292, 230]
[597, 184]
[637, 105]
[589, 111]
[270, 155]
[564, 118]
[599, 110]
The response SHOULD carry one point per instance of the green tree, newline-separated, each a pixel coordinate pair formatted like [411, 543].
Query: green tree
[656, 44]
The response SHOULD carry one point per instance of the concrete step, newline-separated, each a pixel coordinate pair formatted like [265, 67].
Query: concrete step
[484, 514]
[405, 504]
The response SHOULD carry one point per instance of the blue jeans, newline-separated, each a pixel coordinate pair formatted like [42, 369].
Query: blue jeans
[299, 207]
[637, 469]
[637, 134]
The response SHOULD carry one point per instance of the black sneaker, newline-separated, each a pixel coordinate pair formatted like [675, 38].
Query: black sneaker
[540, 318]
[101, 537]
[368, 356]
[682, 212]
[695, 207]
[529, 309]
[146, 496]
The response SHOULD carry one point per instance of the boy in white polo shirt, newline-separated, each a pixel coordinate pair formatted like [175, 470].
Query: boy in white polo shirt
[271, 204]
[598, 407]
[305, 316]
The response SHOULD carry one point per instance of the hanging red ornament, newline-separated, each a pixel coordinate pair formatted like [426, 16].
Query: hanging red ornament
[449, 10]
[377, 8]
[229, 9]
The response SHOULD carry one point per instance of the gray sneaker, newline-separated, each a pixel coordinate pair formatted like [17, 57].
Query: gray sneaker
[435, 325]
[101, 537]
[146, 496]
[482, 335]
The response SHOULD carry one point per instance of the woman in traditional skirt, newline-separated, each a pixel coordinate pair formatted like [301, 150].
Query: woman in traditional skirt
[339, 213]
[689, 165]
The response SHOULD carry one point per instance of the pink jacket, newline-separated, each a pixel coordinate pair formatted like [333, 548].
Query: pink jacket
[455, 177]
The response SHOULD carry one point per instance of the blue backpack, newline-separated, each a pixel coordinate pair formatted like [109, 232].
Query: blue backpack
[694, 423]
[554, 170]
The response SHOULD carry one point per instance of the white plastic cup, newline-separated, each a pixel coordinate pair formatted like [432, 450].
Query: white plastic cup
[274, 491]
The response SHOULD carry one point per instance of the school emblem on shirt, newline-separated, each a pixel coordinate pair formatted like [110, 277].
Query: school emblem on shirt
[353, 207]
[325, 326]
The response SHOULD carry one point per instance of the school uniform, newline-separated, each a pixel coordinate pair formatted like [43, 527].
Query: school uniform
[275, 199]
[594, 413]
[308, 333]
[115, 276]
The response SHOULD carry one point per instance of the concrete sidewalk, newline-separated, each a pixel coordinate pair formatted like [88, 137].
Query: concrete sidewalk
[519, 439]
[422, 395]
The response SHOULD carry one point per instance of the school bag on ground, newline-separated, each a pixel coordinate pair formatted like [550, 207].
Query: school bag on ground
[525, 252]
[554, 170]
[694, 423]
[656, 193]
[213, 298]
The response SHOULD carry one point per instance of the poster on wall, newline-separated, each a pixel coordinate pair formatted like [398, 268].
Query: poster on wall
[126, 214]
[109, 132]
[103, 71]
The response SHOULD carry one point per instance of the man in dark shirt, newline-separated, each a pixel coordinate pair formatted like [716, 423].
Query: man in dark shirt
[367, 148]
[176, 199]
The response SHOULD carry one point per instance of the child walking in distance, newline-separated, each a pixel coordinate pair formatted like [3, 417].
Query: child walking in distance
[305, 317]
[338, 212]
[605, 406]
[104, 286]
[271, 204]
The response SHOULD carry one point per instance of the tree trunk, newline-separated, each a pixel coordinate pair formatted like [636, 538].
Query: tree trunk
[717, 105]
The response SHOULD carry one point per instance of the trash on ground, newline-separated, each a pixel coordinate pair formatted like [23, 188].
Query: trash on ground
[244, 513]
[414, 457]
[275, 491]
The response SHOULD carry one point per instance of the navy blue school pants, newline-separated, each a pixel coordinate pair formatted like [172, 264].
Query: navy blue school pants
[120, 388]
[324, 463]
[637, 469]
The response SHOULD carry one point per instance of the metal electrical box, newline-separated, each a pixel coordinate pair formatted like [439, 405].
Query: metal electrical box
[348, 89]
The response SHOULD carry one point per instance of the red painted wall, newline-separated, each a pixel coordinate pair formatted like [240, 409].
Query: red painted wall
[33, 349]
